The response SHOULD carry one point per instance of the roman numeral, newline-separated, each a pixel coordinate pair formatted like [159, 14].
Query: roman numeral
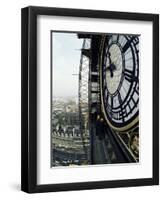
[127, 45]
[130, 76]
[120, 98]
[136, 40]
[117, 38]
[120, 103]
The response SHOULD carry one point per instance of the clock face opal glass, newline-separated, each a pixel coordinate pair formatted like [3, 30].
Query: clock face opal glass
[119, 68]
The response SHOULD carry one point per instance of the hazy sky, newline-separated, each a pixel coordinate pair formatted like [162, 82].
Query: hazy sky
[65, 62]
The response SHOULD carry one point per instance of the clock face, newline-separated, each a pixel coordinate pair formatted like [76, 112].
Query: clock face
[119, 73]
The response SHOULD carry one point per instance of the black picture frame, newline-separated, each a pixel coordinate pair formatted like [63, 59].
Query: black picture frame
[29, 98]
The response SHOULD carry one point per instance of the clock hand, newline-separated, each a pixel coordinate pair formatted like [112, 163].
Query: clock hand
[110, 58]
[110, 61]
[113, 66]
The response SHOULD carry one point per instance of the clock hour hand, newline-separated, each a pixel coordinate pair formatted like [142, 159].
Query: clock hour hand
[111, 68]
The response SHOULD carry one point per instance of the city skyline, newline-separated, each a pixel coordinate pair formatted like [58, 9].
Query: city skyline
[65, 63]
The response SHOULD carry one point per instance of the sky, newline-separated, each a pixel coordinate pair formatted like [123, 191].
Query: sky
[65, 62]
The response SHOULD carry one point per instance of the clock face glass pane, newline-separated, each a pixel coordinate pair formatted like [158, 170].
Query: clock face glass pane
[120, 79]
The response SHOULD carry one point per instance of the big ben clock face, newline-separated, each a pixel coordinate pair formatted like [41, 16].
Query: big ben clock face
[119, 73]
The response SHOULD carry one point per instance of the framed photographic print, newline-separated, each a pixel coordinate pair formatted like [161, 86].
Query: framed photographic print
[90, 99]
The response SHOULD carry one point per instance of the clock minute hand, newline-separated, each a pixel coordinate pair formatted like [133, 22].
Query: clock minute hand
[111, 66]
[108, 67]
[110, 57]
